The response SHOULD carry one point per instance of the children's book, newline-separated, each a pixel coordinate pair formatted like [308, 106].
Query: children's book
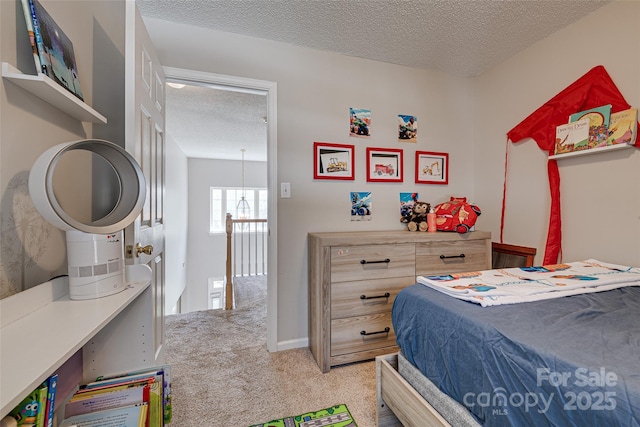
[52, 387]
[598, 124]
[162, 374]
[43, 59]
[30, 412]
[85, 403]
[129, 416]
[26, 8]
[55, 50]
[623, 127]
[572, 137]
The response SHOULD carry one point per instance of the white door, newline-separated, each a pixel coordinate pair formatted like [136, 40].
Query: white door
[145, 140]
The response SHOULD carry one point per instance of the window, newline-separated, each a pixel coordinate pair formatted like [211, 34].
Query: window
[223, 200]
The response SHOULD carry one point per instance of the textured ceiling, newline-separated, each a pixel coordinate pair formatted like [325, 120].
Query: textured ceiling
[460, 37]
[207, 122]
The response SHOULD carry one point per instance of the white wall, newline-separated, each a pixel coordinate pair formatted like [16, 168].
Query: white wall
[600, 193]
[315, 91]
[207, 252]
[176, 224]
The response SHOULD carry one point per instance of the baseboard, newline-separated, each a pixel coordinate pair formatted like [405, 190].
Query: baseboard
[291, 344]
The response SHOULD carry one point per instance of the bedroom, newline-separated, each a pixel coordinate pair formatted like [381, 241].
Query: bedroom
[466, 117]
[491, 104]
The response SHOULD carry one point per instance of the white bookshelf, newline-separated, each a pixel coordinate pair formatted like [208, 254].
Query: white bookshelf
[607, 148]
[48, 90]
[41, 328]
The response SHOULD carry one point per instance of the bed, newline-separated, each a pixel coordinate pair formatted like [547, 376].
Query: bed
[573, 360]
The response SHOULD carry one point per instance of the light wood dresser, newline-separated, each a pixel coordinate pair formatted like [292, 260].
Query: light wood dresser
[354, 278]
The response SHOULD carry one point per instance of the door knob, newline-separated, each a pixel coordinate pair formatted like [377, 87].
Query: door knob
[143, 249]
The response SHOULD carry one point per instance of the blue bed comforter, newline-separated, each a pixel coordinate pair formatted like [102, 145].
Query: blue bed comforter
[572, 361]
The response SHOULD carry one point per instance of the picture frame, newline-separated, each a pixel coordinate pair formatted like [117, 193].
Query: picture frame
[333, 161]
[432, 167]
[385, 165]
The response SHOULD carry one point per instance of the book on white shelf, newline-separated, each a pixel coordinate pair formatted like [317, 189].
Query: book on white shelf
[130, 416]
[599, 124]
[26, 8]
[117, 397]
[162, 375]
[121, 389]
[30, 412]
[623, 127]
[55, 50]
[572, 137]
[52, 387]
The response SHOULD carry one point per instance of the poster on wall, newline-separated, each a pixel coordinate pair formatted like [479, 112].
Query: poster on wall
[361, 206]
[407, 128]
[407, 200]
[359, 123]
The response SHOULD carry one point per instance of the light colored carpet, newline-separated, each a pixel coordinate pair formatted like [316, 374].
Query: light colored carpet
[223, 375]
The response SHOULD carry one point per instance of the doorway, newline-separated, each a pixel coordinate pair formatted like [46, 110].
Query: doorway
[268, 91]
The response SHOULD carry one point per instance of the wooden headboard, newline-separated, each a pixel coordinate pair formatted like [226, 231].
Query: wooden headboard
[505, 256]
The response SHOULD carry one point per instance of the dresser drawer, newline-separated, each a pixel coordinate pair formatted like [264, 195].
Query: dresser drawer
[366, 297]
[446, 257]
[351, 263]
[347, 334]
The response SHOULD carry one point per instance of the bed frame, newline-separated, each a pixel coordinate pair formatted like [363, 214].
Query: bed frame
[399, 404]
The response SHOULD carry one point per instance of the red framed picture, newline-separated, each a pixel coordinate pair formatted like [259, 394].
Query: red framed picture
[384, 165]
[432, 168]
[333, 161]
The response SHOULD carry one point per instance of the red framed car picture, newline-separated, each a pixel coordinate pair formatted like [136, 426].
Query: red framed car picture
[333, 161]
[432, 168]
[384, 165]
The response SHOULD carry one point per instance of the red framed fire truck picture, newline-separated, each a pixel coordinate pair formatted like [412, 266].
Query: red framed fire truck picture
[384, 165]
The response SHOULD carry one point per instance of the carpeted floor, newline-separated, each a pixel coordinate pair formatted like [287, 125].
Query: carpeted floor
[223, 375]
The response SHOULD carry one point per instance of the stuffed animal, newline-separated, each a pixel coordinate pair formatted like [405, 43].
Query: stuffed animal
[418, 218]
[456, 215]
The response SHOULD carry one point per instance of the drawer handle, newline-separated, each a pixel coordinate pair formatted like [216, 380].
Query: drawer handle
[386, 295]
[385, 331]
[451, 256]
[386, 261]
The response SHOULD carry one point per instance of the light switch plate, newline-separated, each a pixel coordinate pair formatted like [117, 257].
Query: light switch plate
[285, 190]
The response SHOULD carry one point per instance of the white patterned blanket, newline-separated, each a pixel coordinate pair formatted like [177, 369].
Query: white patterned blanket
[516, 285]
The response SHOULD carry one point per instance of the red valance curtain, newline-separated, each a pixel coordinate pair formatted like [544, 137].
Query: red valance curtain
[592, 90]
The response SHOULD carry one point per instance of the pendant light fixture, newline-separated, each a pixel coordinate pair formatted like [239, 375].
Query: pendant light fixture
[243, 209]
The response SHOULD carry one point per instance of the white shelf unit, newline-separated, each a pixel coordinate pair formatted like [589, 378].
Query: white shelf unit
[48, 90]
[41, 328]
[591, 151]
